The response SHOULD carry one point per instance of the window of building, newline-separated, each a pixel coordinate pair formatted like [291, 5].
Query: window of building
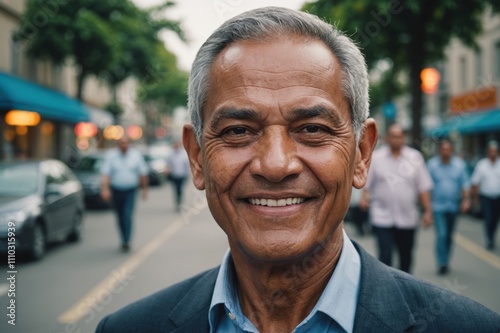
[32, 70]
[478, 57]
[496, 60]
[15, 54]
[463, 73]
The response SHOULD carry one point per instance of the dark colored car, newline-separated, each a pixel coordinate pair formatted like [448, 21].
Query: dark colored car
[88, 172]
[40, 202]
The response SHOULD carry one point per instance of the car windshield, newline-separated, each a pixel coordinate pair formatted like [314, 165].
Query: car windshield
[18, 179]
[90, 163]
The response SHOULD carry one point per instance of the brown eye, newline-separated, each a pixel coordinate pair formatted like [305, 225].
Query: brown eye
[312, 129]
[237, 130]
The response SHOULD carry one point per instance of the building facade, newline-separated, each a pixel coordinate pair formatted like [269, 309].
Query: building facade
[468, 97]
[43, 87]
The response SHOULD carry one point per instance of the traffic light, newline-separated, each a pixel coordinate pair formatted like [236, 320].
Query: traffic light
[430, 80]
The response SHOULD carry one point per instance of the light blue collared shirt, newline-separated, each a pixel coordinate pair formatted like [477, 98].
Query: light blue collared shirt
[449, 181]
[334, 312]
[124, 170]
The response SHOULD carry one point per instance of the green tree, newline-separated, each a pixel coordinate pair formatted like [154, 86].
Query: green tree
[140, 46]
[412, 33]
[163, 89]
[111, 39]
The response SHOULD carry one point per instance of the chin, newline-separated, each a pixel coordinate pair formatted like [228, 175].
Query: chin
[280, 249]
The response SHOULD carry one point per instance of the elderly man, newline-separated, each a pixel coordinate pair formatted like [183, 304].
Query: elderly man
[279, 135]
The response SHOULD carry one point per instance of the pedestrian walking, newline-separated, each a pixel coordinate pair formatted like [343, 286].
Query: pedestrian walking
[178, 171]
[123, 171]
[486, 191]
[357, 215]
[449, 195]
[397, 180]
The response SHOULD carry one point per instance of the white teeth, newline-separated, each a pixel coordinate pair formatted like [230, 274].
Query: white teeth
[276, 203]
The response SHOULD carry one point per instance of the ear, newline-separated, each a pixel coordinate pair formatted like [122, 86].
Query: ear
[193, 150]
[364, 150]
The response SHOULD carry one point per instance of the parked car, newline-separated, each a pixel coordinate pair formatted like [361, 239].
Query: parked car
[88, 173]
[44, 201]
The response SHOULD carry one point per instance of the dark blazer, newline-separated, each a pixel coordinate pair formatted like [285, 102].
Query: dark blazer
[389, 301]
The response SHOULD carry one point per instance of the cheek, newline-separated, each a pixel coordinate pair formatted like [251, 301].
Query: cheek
[224, 165]
[333, 166]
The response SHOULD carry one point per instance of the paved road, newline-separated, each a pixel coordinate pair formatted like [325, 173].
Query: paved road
[77, 284]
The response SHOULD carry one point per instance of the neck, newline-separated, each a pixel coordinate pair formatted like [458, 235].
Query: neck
[396, 151]
[445, 160]
[277, 297]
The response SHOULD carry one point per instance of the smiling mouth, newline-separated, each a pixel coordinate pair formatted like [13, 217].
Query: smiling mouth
[276, 203]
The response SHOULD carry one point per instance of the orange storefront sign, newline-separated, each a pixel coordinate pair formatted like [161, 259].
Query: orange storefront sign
[477, 100]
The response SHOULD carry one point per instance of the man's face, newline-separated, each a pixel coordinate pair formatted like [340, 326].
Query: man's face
[123, 144]
[445, 150]
[278, 153]
[492, 153]
[395, 138]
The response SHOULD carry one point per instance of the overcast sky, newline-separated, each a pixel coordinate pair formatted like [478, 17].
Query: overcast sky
[201, 17]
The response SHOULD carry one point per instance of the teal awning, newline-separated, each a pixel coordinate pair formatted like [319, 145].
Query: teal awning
[18, 94]
[469, 123]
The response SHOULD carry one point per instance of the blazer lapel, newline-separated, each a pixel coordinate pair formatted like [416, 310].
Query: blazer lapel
[381, 304]
[191, 313]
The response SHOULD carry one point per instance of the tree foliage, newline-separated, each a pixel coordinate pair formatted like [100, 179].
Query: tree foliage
[112, 39]
[165, 84]
[411, 33]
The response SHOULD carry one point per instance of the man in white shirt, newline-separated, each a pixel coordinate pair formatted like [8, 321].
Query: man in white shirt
[178, 171]
[397, 179]
[486, 191]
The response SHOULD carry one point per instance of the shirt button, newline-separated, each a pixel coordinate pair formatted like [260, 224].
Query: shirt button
[232, 316]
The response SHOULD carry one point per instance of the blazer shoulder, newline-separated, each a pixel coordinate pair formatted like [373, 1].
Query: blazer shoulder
[160, 311]
[443, 309]
[393, 301]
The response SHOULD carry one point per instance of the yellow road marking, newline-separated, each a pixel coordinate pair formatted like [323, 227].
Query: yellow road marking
[91, 300]
[478, 251]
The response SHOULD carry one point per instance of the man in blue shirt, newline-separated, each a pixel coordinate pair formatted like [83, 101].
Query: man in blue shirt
[449, 196]
[123, 171]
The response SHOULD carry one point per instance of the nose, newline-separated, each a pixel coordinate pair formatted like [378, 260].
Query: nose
[276, 156]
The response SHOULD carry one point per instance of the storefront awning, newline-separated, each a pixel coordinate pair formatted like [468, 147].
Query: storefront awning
[469, 123]
[18, 94]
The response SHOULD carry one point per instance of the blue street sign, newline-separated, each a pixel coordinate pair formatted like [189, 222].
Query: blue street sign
[389, 110]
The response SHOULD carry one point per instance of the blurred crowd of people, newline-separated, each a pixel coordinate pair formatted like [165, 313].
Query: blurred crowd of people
[403, 188]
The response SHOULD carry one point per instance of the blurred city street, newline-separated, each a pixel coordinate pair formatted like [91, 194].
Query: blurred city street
[78, 284]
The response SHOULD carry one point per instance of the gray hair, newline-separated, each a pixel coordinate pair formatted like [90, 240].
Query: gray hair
[269, 22]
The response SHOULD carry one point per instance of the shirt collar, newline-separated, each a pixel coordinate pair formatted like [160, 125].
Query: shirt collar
[340, 296]
[338, 300]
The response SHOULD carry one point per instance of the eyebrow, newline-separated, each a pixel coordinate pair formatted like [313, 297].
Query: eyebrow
[317, 111]
[240, 114]
[297, 114]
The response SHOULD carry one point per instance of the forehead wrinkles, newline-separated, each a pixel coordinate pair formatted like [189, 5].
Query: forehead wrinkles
[274, 80]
